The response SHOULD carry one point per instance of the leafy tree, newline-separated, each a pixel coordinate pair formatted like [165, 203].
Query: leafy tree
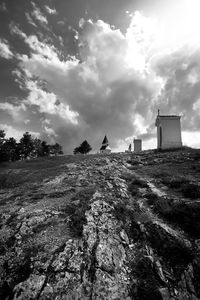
[45, 149]
[26, 145]
[37, 148]
[11, 150]
[84, 148]
[3, 155]
[56, 149]
[76, 150]
[2, 134]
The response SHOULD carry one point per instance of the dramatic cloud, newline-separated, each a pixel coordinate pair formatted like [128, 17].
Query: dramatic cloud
[51, 11]
[5, 51]
[104, 93]
[3, 7]
[13, 132]
[14, 29]
[48, 103]
[37, 14]
[12, 110]
[30, 20]
[114, 86]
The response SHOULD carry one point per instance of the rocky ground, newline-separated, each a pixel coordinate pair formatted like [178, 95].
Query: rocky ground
[101, 227]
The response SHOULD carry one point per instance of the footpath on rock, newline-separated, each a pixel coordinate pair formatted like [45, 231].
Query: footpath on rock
[122, 226]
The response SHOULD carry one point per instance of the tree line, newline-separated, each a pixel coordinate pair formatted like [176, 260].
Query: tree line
[27, 147]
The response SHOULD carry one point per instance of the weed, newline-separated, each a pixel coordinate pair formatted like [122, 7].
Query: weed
[187, 217]
[11, 180]
[168, 246]
[76, 209]
[121, 211]
[177, 182]
[190, 190]
[135, 184]
[151, 198]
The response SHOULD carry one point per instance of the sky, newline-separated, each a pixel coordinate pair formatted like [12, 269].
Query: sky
[76, 70]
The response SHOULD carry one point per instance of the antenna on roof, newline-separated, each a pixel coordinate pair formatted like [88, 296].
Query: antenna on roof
[158, 112]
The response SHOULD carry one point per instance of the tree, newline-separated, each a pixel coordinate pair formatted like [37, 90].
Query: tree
[56, 149]
[76, 150]
[26, 145]
[3, 154]
[2, 137]
[84, 148]
[11, 150]
[45, 150]
[37, 148]
[2, 134]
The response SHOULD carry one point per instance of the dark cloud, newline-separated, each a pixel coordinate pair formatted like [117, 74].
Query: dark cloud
[85, 79]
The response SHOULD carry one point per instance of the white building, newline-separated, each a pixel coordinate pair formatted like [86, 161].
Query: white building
[137, 145]
[105, 149]
[168, 131]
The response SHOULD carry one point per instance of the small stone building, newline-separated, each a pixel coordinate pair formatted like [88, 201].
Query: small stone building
[168, 131]
[105, 149]
[137, 145]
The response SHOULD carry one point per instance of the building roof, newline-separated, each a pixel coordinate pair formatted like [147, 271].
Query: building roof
[163, 117]
[105, 140]
[168, 116]
[105, 147]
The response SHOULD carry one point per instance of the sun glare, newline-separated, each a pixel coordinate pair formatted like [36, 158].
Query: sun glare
[181, 20]
[174, 25]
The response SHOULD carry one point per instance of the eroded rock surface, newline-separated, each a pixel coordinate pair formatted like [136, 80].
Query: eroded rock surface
[103, 227]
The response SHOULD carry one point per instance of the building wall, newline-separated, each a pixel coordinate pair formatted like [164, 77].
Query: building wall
[171, 133]
[105, 151]
[137, 145]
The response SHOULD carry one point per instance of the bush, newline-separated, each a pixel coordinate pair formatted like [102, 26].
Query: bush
[11, 180]
[77, 208]
[190, 190]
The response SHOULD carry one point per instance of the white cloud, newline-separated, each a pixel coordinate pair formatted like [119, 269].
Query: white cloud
[191, 138]
[104, 89]
[14, 29]
[117, 86]
[51, 11]
[13, 110]
[41, 48]
[5, 51]
[3, 7]
[30, 20]
[37, 14]
[48, 103]
[16, 133]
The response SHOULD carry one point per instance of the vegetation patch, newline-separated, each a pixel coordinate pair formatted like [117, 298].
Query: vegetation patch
[168, 246]
[186, 215]
[11, 180]
[190, 190]
[135, 184]
[76, 209]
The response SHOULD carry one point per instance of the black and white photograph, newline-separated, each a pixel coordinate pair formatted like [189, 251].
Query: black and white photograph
[99, 149]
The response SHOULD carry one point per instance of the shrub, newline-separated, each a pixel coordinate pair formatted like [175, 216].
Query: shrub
[190, 190]
[77, 208]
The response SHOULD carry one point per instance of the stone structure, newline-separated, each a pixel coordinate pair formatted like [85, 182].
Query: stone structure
[168, 131]
[105, 149]
[137, 145]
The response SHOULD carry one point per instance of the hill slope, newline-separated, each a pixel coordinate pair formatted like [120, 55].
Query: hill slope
[101, 227]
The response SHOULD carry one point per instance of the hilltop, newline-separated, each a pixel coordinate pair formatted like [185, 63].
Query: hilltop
[122, 226]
